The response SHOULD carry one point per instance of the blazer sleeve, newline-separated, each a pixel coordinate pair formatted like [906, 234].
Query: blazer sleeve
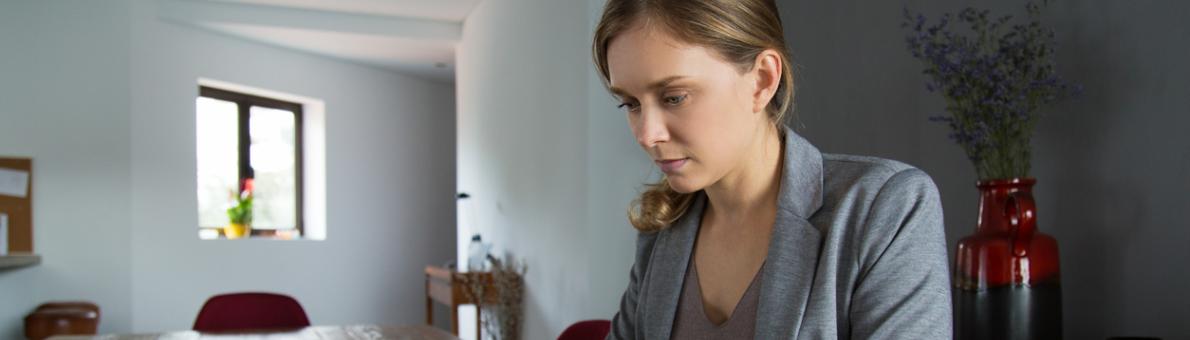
[903, 288]
[624, 322]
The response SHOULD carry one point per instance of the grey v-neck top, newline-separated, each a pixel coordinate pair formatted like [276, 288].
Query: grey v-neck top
[691, 321]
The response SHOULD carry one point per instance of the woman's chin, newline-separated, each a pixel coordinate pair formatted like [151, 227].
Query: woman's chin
[683, 185]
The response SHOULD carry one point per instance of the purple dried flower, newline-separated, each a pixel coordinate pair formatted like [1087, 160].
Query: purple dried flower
[995, 78]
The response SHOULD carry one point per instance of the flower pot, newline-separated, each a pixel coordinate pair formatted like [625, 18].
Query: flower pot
[1006, 277]
[235, 230]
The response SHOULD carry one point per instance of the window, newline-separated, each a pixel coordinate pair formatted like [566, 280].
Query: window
[243, 138]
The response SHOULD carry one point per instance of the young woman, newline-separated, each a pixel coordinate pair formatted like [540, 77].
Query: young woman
[752, 233]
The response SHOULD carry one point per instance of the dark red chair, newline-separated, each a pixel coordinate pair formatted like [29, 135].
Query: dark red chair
[250, 311]
[587, 330]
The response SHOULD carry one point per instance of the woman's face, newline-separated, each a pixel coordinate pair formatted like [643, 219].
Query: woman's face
[692, 112]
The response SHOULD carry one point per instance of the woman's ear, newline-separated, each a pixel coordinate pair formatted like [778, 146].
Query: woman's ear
[768, 77]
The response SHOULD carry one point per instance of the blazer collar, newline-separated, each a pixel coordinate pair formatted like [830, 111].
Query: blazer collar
[788, 273]
[801, 177]
[792, 262]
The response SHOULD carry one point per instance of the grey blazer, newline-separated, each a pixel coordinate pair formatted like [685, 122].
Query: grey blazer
[858, 251]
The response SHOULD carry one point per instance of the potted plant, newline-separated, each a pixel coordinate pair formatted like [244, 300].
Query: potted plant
[240, 213]
[996, 76]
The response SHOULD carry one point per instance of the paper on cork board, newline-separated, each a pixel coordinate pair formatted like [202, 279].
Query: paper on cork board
[14, 183]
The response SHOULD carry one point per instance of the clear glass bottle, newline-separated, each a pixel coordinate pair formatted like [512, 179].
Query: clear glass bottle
[476, 254]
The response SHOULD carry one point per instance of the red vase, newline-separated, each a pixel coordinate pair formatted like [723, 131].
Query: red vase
[1006, 277]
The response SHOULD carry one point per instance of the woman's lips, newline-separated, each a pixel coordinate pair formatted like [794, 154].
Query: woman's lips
[671, 165]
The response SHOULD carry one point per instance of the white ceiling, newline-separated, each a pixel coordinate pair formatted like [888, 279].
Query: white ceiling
[445, 10]
[415, 37]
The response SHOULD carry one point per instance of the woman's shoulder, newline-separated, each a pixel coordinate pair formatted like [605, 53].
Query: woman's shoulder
[869, 203]
[853, 179]
[856, 166]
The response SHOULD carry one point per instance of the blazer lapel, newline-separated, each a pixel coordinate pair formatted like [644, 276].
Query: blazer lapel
[667, 272]
[793, 250]
[788, 273]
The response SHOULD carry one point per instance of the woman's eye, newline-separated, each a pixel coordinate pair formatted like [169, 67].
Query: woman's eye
[630, 107]
[675, 100]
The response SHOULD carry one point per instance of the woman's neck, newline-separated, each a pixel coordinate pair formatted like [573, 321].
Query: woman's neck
[750, 191]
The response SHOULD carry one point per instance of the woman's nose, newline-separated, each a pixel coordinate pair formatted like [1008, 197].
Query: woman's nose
[651, 128]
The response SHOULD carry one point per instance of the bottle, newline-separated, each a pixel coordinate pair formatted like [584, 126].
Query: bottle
[475, 254]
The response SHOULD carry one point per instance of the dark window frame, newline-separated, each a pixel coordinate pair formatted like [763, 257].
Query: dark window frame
[244, 102]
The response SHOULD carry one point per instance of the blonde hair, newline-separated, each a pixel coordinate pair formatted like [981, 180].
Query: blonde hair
[738, 30]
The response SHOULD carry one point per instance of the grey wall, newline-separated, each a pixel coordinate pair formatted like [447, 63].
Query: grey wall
[64, 102]
[550, 163]
[1111, 167]
[102, 97]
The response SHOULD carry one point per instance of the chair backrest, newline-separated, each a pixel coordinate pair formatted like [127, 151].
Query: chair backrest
[250, 311]
[587, 330]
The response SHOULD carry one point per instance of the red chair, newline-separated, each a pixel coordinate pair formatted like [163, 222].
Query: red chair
[587, 330]
[250, 311]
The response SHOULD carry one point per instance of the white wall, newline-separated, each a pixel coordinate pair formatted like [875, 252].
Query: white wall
[64, 102]
[390, 183]
[102, 97]
[549, 162]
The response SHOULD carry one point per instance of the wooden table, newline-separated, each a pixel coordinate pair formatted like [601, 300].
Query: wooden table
[418, 332]
[448, 288]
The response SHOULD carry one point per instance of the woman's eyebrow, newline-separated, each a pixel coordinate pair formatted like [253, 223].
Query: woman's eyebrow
[655, 85]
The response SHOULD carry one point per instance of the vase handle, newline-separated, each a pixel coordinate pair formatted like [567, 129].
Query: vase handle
[1022, 216]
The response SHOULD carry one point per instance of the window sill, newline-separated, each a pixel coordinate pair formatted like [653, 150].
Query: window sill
[207, 234]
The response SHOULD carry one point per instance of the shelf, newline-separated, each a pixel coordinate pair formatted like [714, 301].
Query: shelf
[16, 260]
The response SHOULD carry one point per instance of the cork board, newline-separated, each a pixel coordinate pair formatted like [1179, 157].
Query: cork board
[19, 209]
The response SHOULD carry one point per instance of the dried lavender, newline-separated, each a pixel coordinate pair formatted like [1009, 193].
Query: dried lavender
[994, 78]
[502, 308]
